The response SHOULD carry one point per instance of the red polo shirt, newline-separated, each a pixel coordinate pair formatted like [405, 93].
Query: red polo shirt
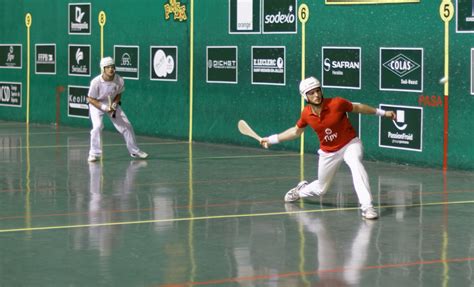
[332, 126]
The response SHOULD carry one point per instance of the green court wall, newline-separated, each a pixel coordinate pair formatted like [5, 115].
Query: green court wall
[162, 108]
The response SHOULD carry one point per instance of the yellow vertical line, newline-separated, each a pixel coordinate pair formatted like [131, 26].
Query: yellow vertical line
[446, 11]
[446, 96]
[446, 58]
[101, 42]
[192, 258]
[28, 181]
[28, 77]
[444, 256]
[303, 15]
[191, 69]
[303, 67]
[102, 18]
[28, 22]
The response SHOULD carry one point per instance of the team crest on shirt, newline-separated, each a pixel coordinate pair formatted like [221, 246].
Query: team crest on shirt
[330, 136]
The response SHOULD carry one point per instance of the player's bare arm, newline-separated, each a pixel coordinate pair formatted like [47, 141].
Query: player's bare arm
[290, 134]
[365, 109]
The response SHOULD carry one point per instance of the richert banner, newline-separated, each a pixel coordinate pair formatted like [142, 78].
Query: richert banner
[336, 2]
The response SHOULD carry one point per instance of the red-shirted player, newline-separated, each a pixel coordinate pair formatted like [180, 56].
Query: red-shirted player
[338, 142]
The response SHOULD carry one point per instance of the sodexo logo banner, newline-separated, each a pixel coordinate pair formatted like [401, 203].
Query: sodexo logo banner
[405, 132]
[79, 18]
[341, 67]
[164, 63]
[401, 69]
[221, 64]
[79, 62]
[279, 16]
[127, 61]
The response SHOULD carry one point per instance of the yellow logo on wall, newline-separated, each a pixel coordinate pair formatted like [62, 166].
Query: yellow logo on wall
[177, 9]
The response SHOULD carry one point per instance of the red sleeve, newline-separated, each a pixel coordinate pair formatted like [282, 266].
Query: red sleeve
[345, 105]
[302, 123]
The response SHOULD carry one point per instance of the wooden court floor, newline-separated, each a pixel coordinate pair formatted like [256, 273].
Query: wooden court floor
[213, 215]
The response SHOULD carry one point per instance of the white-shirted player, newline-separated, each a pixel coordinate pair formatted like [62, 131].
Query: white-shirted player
[104, 95]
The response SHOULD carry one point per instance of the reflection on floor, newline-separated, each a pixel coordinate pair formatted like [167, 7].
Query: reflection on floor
[214, 215]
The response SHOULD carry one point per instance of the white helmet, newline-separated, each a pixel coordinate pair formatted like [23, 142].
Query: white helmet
[105, 62]
[307, 85]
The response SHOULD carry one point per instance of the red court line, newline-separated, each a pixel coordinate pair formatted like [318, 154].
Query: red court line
[317, 272]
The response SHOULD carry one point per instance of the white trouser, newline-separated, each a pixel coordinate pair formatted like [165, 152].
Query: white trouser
[121, 123]
[329, 162]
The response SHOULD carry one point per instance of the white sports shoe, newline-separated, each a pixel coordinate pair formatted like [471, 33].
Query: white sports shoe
[293, 194]
[93, 158]
[370, 213]
[140, 154]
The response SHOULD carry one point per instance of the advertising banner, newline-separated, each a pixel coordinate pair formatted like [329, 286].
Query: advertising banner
[221, 64]
[406, 132]
[268, 65]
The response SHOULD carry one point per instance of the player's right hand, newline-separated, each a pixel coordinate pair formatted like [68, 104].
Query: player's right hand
[264, 143]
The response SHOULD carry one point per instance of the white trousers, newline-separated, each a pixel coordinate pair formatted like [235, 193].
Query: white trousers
[121, 123]
[329, 163]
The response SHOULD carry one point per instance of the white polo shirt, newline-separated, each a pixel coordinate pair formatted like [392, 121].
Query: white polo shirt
[100, 89]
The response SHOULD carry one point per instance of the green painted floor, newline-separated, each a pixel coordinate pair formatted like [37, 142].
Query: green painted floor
[213, 215]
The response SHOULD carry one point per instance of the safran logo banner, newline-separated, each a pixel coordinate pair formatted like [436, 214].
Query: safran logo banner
[80, 18]
[353, 2]
[341, 67]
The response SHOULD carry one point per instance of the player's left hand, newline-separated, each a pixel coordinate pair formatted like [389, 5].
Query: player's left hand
[391, 114]
[264, 143]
